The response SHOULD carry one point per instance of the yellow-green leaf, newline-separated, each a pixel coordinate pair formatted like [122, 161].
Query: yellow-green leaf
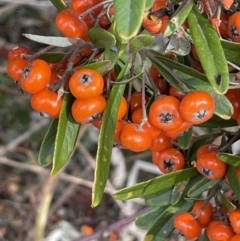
[128, 17]
[45, 156]
[155, 185]
[59, 4]
[106, 138]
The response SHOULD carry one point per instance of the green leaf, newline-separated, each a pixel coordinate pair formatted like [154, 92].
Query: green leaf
[140, 41]
[155, 185]
[161, 198]
[173, 65]
[159, 230]
[45, 155]
[126, 81]
[169, 75]
[147, 219]
[231, 51]
[218, 122]
[184, 141]
[228, 204]
[177, 191]
[106, 138]
[231, 159]
[51, 57]
[128, 17]
[59, 4]
[205, 237]
[163, 226]
[51, 40]
[233, 180]
[179, 16]
[149, 4]
[203, 185]
[224, 140]
[67, 134]
[101, 67]
[112, 56]
[210, 51]
[101, 38]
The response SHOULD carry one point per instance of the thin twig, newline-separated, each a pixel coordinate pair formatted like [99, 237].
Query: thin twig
[43, 208]
[234, 138]
[109, 184]
[20, 139]
[41, 170]
[152, 57]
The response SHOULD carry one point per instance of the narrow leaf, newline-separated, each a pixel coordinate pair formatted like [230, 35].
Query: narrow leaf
[231, 51]
[51, 40]
[233, 180]
[161, 228]
[66, 137]
[226, 202]
[161, 198]
[173, 65]
[202, 186]
[155, 185]
[177, 191]
[59, 4]
[210, 51]
[169, 75]
[45, 156]
[231, 159]
[218, 122]
[179, 16]
[128, 17]
[101, 38]
[51, 57]
[147, 219]
[105, 143]
[101, 67]
[185, 140]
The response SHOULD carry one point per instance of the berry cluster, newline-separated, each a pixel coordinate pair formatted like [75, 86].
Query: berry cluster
[167, 116]
[206, 216]
[151, 118]
[34, 77]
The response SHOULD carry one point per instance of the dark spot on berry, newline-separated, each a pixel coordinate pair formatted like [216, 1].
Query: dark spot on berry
[207, 172]
[26, 71]
[166, 118]
[168, 165]
[234, 31]
[85, 78]
[201, 114]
